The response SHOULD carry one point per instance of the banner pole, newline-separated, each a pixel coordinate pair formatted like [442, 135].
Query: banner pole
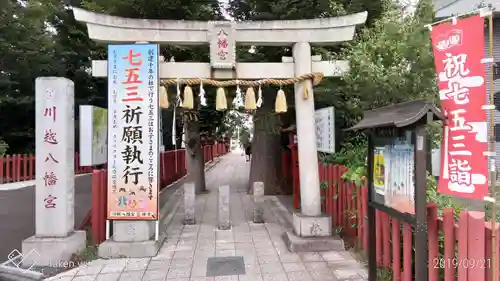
[493, 174]
[476, 11]
[484, 11]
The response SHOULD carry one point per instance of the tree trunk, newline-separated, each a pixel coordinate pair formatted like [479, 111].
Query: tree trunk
[167, 120]
[266, 149]
[195, 161]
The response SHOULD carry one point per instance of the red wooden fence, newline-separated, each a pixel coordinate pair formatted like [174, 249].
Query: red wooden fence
[21, 167]
[459, 248]
[172, 168]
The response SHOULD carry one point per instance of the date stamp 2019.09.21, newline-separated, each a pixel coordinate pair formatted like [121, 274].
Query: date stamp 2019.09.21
[461, 263]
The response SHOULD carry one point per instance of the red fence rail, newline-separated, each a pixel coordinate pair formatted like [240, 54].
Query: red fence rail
[459, 246]
[172, 168]
[21, 167]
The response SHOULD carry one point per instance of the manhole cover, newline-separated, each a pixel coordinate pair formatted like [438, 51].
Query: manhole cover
[220, 266]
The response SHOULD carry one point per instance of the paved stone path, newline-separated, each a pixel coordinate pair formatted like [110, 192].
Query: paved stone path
[247, 252]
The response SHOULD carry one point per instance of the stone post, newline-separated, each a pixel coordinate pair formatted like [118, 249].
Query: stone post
[224, 209]
[306, 134]
[258, 199]
[189, 203]
[55, 238]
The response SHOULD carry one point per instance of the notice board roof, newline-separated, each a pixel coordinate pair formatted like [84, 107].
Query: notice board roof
[398, 115]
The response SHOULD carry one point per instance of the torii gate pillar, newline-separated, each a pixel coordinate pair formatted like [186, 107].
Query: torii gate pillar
[298, 34]
[306, 134]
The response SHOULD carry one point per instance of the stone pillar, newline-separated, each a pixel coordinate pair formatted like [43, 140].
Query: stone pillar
[55, 238]
[224, 209]
[306, 134]
[258, 199]
[313, 229]
[189, 203]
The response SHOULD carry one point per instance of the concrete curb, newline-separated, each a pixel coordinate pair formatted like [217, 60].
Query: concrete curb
[168, 212]
[18, 274]
[208, 167]
[282, 213]
[30, 183]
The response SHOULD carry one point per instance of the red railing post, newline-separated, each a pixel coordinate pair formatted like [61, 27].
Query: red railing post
[348, 207]
[475, 263]
[450, 239]
[386, 240]
[103, 204]
[450, 242]
[359, 215]
[341, 200]
[365, 215]
[378, 233]
[25, 175]
[8, 175]
[169, 161]
[488, 247]
[99, 205]
[77, 171]
[321, 173]
[334, 195]
[2, 175]
[95, 206]
[432, 230]
[32, 167]
[407, 253]
[163, 178]
[396, 250]
[18, 167]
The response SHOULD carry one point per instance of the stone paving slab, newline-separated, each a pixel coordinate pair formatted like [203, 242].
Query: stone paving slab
[187, 250]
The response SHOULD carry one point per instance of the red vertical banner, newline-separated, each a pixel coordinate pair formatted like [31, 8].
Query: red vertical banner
[458, 54]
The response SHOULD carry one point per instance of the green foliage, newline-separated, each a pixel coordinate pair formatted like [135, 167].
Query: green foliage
[211, 122]
[42, 38]
[393, 61]
[441, 200]
[244, 136]
[233, 120]
[26, 52]
[354, 158]
[3, 147]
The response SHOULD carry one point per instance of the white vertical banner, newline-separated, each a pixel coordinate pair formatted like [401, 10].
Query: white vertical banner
[93, 135]
[325, 129]
[55, 157]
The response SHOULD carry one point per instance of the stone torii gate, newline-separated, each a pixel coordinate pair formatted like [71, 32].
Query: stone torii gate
[299, 34]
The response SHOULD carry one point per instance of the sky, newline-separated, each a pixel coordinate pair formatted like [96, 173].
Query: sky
[224, 12]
